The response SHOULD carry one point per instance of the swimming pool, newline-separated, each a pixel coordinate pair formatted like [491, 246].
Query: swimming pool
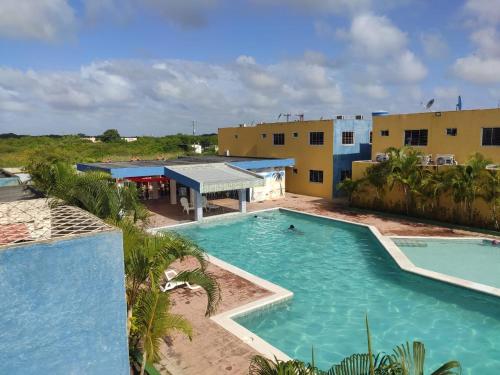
[338, 273]
[470, 259]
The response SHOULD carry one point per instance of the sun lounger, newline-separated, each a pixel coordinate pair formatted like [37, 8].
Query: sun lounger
[172, 284]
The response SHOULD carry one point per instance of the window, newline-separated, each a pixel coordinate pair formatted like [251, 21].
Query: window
[451, 131]
[295, 135]
[347, 138]
[295, 171]
[371, 137]
[236, 136]
[316, 176]
[384, 133]
[345, 173]
[416, 137]
[316, 138]
[279, 138]
[491, 137]
[263, 135]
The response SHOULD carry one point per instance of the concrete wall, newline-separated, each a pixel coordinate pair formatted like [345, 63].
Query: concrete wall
[344, 155]
[466, 142]
[62, 307]
[249, 141]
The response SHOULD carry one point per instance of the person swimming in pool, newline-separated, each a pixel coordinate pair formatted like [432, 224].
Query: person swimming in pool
[292, 228]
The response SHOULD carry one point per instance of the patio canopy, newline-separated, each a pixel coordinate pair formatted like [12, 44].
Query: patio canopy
[213, 177]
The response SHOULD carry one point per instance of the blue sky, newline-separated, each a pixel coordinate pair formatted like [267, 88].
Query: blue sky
[153, 66]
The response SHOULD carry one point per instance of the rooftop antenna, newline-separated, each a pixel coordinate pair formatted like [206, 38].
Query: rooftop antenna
[300, 116]
[194, 129]
[429, 104]
[459, 103]
[287, 115]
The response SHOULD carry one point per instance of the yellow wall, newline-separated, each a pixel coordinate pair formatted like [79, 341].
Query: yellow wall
[466, 142]
[248, 141]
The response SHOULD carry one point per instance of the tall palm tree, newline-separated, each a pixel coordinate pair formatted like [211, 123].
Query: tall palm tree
[278, 176]
[377, 176]
[465, 183]
[405, 172]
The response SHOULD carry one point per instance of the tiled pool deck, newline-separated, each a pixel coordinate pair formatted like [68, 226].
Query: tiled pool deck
[216, 351]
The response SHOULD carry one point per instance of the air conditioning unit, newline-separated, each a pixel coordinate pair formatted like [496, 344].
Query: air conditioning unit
[359, 117]
[380, 157]
[340, 117]
[226, 153]
[425, 159]
[445, 159]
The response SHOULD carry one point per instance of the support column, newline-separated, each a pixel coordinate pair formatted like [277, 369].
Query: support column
[173, 192]
[192, 194]
[198, 207]
[242, 194]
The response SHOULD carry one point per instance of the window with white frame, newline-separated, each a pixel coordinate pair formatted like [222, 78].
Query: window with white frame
[451, 131]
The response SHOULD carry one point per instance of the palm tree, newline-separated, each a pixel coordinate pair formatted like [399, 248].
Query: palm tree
[431, 188]
[490, 193]
[147, 256]
[403, 361]
[152, 321]
[465, 183]
[95, 192]
[278, 176]
[349, 187]
[406, 172]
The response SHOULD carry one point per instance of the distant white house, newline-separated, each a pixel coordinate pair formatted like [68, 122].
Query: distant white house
[197, 149]
[90, 139]
[129, 139]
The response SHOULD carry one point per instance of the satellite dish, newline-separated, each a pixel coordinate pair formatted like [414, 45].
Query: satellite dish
[429, 104]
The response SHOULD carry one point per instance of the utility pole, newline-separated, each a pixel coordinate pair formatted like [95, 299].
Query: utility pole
[194, 130]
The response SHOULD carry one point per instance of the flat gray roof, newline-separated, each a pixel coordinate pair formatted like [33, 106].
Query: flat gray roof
[210, 178]
[183, 160]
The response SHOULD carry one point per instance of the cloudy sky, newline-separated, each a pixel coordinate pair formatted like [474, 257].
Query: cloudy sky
[150, 67]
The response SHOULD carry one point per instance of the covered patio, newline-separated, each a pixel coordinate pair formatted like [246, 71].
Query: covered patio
[210, 178]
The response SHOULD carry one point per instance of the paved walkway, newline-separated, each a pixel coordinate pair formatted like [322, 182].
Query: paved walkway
[213, 350]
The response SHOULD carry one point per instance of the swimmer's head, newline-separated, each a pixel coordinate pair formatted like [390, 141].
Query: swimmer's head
[291, 226]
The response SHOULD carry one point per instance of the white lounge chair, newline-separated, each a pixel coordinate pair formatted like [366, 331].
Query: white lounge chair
[185, 205]
[207, 206]
[172, 284]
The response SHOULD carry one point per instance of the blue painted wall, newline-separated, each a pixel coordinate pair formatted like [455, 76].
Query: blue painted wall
[62, 307]
[344, 155]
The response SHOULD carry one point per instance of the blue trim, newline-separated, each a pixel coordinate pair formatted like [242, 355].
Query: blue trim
[186, 181]
[267, 163]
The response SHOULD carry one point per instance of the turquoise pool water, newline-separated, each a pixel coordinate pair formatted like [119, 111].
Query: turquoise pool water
[338, 273]
[473, 260]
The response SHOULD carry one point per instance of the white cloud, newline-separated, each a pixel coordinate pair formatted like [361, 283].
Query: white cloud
[163, 96]
[329, 6]
[373, 36]
[184, 13]
[374, 91]
[434, 45]
[46, 20]
[487, 41]
[483, 10]
[478, 70]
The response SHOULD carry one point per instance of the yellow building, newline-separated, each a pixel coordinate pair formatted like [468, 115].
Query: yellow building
[323, 150]
[456, 133]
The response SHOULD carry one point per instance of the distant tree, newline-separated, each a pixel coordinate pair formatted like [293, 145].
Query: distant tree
[110, 135]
